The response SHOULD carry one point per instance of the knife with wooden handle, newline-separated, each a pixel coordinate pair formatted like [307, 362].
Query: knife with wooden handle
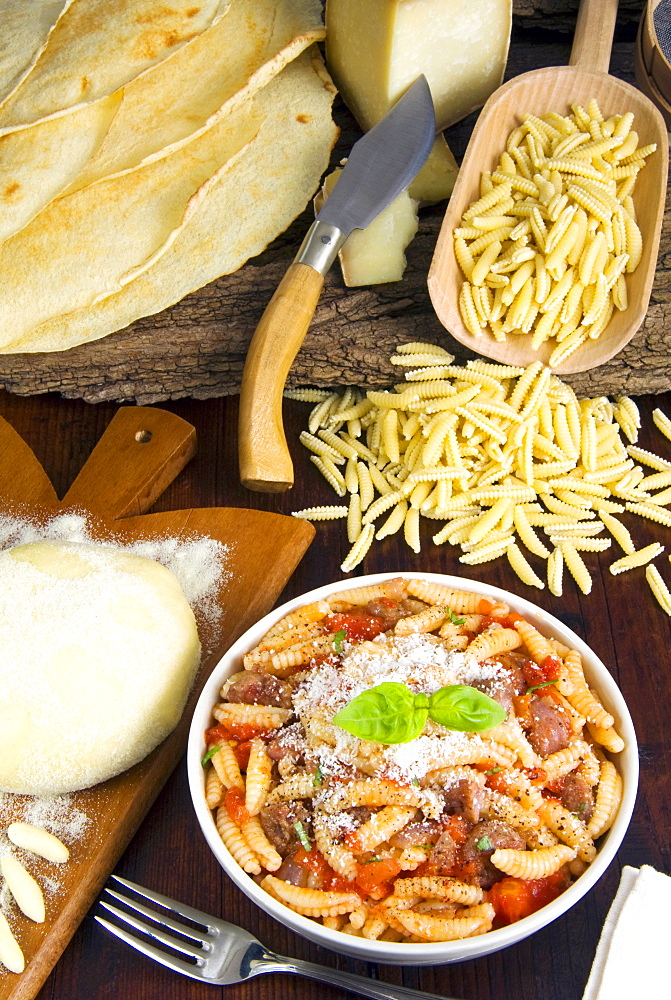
[380, 165]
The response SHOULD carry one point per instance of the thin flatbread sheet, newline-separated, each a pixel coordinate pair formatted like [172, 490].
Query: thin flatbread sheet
[254, 199]
[208, 78]
[36, 164]
[101, 45]
[86, 246]
[26, 26]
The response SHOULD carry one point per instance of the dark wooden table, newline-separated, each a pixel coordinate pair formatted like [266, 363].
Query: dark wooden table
[619, 619]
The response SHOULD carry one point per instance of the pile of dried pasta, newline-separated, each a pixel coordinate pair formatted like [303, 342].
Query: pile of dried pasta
[495, 452]
[546, 246]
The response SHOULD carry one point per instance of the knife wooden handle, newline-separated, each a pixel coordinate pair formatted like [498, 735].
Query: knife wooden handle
[265, 463]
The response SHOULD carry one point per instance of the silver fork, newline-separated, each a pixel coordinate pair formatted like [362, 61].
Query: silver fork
[215, 951]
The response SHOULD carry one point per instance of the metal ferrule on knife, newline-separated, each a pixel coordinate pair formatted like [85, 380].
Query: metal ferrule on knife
[320, 247]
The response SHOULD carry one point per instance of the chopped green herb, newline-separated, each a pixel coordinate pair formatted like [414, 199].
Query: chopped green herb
[302, 835]
[210, 754]
[484, 844]
[494, 770]
[537, 686]
[369, 861]
[415, 781]
[318, 777]
[338, 639]
[454, 618]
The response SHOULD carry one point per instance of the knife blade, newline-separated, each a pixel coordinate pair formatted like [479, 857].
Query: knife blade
[379, 166]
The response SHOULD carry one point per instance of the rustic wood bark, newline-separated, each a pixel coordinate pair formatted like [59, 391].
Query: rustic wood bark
[559, 15]
[197, 347]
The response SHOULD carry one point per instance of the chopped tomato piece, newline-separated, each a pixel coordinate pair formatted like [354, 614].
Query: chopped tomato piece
[515, 898]
[315, 862]
[234, 801]
[521, 704]
[215, 734]
[242, 751]
[543, 674]
[357, 626]
[376, 877]
[457, 827]
[485, 606]
[536, 775]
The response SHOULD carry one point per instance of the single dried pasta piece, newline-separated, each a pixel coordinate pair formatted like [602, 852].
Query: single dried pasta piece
[235, 843]
[259, 770]
[555, 572]
[659, 588]
[330, 473]
[439, 887]
[638, 558]
[608, 798]
[302, 899]
[226, 766]
[499, 640]
[576, 567]
[214, 789]
[321, 448]
[535, 864]
[256, 840]
[522, 568]
[331, 513]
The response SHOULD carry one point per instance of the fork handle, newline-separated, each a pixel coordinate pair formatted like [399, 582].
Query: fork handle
[344, 980]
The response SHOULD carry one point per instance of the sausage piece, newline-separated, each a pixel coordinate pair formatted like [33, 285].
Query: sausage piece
[549, 728]
[254, 688]
[495, 833]
[576, 796]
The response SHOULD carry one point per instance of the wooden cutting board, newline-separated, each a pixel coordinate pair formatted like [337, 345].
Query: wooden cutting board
[140, 453]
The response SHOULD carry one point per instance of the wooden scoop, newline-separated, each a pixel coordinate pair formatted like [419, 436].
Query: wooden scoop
[539, 92]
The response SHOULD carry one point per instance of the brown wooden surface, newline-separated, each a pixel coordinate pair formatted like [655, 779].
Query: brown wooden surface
[619, 619]
[138, 456]
[197, 347]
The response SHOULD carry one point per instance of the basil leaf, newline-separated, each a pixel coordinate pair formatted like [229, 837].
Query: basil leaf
[302, 835]
[210, 753]
[387, 713]
[465, 709]
[318, 777]
[337, 640]
[484, 844]
[454, 618]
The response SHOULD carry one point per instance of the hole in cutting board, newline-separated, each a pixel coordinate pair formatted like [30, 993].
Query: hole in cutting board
[142, 437]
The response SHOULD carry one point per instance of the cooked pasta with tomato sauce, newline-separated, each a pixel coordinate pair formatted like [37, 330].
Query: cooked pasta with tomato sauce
[409, 762]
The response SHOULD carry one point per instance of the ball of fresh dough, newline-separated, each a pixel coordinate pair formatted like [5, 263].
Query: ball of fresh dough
[99, 650]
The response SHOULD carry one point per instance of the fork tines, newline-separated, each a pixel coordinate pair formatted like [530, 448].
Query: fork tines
[189, 945]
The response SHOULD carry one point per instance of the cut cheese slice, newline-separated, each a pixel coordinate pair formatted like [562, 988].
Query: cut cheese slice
[436, 179]
[376, 48]
[375, 255]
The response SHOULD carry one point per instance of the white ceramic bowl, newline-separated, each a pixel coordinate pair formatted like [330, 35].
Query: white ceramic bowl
[418, 954]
